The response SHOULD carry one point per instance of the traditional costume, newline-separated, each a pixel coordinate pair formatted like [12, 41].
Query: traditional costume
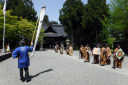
[108, 55]
[61, 49]
[70, 51]
[84, 53]
[67, 51]
[96, 53]
[56, 48]
[103, 57]
[117, 63]
[81, 51]
[87, 50]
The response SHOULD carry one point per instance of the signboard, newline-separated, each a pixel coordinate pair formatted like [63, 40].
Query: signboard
[96, 51]
[120, 54]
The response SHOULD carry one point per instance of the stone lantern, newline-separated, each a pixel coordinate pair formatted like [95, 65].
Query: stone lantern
[67, 42]
[41, 48]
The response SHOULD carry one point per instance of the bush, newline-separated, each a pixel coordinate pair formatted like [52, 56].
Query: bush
[110, 41]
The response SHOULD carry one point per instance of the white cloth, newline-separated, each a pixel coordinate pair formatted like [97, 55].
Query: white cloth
[4, 8]
[39, 28]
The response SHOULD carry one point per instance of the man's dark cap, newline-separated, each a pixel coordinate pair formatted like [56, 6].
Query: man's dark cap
[106, 44]
[22, 42]
[96, 45]
[118, 45]
[87, 44]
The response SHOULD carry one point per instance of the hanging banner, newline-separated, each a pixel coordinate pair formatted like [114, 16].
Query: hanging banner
[38, 30]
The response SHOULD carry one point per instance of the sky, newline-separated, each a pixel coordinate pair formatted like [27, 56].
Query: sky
[52, 7]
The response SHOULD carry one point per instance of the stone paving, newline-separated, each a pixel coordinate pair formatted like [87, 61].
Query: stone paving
[123, 70]
[50, 68]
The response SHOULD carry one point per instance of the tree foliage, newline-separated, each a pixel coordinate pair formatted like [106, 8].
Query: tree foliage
[119, 15]
[71, 17]
[15, 27]
[54, 22]
[94, 21]
[86, 23]
[110, 41]
[119, 21]
[22, 8]
[46, 19]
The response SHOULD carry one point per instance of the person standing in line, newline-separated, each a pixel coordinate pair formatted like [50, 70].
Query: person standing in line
[61, 49]
[70, 50]
[117, 63]
[87, 57]
[103, 56]
[96, 55]
[81, 52]
[108, 55]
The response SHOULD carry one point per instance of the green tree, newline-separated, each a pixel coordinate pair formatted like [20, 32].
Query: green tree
[46, 19]
[118, 18]
[71, 17]
[95, 20]
[15, 27]
[22, 8]
[119, 21]
[54, 22]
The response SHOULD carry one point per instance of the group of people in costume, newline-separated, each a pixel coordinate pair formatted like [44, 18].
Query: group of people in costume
[69, 50]
[85, 53]
[105, 55]
[102, 55]
[57, 48]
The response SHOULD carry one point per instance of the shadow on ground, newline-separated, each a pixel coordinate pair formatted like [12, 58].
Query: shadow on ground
[5, 56]
[31, 77]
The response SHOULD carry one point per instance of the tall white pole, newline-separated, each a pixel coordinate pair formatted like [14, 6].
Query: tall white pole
[4, 11]
[4, 33]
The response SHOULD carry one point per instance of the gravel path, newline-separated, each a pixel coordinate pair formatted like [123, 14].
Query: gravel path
[50, 68]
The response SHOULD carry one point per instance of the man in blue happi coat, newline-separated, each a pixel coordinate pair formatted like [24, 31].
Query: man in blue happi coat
[23, 59]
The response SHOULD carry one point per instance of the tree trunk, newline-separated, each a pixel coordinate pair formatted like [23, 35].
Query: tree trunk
[72, 36]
